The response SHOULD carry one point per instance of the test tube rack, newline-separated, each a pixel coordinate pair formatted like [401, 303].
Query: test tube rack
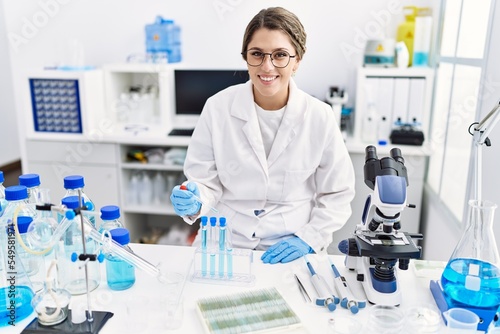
[228, 267]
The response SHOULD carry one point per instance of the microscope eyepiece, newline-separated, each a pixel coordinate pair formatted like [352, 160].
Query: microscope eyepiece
[396, 155]
[370, 153]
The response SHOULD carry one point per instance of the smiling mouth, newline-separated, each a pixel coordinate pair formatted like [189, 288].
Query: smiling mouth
[268, 78]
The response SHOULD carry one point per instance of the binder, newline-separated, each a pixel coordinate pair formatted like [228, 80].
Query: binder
[416, 101]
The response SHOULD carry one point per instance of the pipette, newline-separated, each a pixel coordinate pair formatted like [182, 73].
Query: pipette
[325, 298]
[347, 300]
[183, 187]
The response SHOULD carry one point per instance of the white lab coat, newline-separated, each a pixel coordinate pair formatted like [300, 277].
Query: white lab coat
[307, 181]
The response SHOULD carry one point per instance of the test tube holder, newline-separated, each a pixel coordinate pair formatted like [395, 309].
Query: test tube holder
[240, 275]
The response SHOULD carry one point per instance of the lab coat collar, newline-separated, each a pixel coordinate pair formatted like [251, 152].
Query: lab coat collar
[292, 120]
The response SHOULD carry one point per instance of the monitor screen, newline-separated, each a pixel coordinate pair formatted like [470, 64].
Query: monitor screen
[194, 87]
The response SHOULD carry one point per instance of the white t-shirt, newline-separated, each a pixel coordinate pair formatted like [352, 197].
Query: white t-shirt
[269, 121]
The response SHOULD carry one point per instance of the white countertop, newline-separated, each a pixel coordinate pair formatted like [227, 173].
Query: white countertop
[281, 276]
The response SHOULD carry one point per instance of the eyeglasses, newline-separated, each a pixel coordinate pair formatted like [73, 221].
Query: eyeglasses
[279, 58]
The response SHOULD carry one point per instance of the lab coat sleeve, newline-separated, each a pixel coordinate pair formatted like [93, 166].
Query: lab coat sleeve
[334, 179]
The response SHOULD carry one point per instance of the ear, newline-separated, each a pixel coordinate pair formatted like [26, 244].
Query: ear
[296, 66]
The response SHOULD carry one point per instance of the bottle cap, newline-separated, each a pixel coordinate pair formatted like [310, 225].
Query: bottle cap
[110, 212]
[29, 180]
[1, 177]
[23, 223]
[71, 202]
[73, 182]
[121, 235]
[204, 220]
[222, 221]
[213, 221]
[15, 193]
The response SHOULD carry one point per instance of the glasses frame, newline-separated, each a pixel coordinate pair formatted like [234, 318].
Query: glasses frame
[270, 54]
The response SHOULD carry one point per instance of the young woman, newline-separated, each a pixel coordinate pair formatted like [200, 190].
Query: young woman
[267, 155]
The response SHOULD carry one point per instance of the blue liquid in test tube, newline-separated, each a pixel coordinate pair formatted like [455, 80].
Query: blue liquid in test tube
[204, 221]
[213, 244]
[222, 244]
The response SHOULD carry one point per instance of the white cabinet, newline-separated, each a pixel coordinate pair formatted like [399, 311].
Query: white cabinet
[387, 95]
[95, 161]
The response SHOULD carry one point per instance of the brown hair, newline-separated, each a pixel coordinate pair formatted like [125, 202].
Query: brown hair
[277, 18]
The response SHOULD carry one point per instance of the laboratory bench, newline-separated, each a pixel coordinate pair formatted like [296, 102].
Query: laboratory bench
[314, 319]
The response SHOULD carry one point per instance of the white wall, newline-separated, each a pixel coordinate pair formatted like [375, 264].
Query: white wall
[9, 137]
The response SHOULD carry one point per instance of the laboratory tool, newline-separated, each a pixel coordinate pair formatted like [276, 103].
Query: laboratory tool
[216, 261]
[471, 278]
[74, 185]
[337, 97]
[347, 298]
[222, 245]
[204, 221]
[77, 278]
[379, 244]
[197, 198]
[386, 319]
[32, 182]
[16, 290]
[110, 217]
[461, 318]
[212, 244]
[51, 304]
[325, 297]
[120, 275]
[303, 290]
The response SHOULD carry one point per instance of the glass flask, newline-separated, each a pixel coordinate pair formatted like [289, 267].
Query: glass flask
[74, 185]
[472, 275]
[119, 273]
[110, 217]
[16, 290]
[72, 271]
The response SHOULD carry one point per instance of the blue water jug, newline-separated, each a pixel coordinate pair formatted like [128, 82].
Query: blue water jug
[163, 40]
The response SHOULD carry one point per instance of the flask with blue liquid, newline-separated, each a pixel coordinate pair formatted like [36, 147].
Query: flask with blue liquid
[120, 274]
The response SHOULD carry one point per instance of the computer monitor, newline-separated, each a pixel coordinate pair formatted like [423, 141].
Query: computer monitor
[192, 88]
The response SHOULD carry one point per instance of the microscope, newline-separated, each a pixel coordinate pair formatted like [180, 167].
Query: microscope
[379, 244]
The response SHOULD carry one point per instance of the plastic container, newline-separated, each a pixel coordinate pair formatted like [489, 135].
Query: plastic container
[110, 216]
[461, 318]
[406, 31]
[71, 272]
[422, 40]
[120, 275]
[74, 184]
[386, 319]
[32, 182]
[163, 41]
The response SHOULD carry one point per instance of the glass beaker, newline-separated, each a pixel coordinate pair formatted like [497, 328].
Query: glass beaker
[472, 275]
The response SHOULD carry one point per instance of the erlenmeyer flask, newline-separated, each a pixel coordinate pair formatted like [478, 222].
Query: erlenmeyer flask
[472, 275]
[16, 290]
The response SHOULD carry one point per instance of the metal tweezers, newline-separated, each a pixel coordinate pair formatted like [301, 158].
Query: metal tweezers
[303, 291]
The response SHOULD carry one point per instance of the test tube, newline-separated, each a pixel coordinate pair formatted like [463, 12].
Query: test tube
[222, 244]
[204, 221]
[229, 250]
[213, 244]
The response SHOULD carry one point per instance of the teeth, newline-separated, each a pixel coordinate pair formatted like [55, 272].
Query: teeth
[268, 78]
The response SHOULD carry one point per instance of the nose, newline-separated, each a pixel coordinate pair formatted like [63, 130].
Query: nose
[267, 63]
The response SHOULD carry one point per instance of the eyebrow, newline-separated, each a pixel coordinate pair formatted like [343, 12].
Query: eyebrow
[277, 49]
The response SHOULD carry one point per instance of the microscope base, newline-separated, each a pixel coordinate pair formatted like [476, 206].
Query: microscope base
[445, 303]
[374, 289]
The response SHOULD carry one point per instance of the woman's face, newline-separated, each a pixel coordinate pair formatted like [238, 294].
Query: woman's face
[270, 84]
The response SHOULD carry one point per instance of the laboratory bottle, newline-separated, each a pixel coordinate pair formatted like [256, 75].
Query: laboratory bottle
[32, 182]
[159, 188]
[145, 189]
[71, 270]
[110, 217]
[74, 184]
[472, 275]
[16, 290]
[3, 202]
[422, 39]
[120, 274]
[133, 189]
[406, 30]
[33, 264]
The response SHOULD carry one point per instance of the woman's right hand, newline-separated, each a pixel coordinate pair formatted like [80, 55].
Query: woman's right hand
[184, 201]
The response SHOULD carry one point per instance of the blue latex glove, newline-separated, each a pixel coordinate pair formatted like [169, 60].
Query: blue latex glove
[286, 250]
[183, 200]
